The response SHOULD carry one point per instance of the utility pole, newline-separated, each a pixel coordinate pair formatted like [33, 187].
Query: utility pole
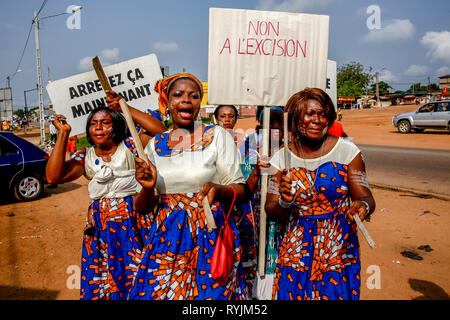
[25, 96]
[378, 91]
[9, 81]
[39, 76]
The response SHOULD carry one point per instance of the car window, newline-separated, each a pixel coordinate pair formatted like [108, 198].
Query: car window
[443, 107]
[7, 149]
[427, 108]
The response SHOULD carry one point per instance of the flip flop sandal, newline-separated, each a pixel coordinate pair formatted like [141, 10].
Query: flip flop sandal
[426, 248]
[411, 255]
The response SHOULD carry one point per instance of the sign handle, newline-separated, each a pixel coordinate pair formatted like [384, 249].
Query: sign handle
[264, 181]
[105, 84]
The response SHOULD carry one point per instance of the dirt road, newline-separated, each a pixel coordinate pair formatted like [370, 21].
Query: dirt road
[40, 241]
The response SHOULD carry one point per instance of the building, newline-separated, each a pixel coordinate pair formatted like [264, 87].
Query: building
[444, 82]
[444, 86]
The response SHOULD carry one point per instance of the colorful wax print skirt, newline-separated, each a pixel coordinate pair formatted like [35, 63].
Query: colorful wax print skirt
[114, 237]
[176, 261]
[318, 259]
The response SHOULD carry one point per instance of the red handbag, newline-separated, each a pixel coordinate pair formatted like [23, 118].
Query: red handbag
[222, 258]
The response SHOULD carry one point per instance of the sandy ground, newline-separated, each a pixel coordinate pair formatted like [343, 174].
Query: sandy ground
[40, 241]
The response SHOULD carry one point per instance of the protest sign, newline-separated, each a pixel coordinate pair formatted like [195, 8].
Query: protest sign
[75, 96]
[331, 87]
[263, 57]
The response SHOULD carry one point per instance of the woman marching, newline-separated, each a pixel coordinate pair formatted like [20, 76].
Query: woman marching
[114, 233]
[191, 162]
[324, 186]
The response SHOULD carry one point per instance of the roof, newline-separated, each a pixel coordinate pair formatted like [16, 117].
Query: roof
[447, 76]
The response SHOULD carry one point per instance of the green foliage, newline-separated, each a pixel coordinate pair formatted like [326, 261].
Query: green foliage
[82, 143]
[353, 80]
[383, 88]
[418, 87]
[20, 113]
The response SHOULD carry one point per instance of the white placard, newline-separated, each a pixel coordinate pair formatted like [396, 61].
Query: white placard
[263, 57]
[75, 96]
[331, 86]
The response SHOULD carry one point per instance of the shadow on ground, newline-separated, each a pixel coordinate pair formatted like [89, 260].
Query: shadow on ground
[429, 290]
[17, 293]
[7, 198]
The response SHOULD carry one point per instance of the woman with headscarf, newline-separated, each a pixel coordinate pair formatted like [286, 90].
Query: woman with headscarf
[323, 187]
[186, 164]
[114, 233]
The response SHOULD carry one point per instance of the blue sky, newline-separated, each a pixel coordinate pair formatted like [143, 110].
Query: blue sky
[412, 44]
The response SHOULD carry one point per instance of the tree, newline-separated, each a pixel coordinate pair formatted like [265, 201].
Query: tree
[418, 87]
[383, 88]
[353, 80]
[19, 113]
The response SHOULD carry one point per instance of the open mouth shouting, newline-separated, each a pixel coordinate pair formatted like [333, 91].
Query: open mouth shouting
[186, 113]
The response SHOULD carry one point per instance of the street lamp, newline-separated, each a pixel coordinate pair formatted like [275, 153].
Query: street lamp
[9, 77]
[36, 21]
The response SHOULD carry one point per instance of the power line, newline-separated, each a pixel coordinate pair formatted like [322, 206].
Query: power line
[24, 48]
[28, 38]
[42, 7]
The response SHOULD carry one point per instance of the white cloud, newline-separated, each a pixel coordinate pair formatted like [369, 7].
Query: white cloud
[438, 44]
[291, 5]
[107, 57]
[416, 70]
[387, 76]
[443, 71]
[166, 47]
[392, 31]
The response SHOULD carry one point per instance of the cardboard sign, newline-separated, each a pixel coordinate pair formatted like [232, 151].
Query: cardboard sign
[75, 97]
[331, 87]
[263, 57]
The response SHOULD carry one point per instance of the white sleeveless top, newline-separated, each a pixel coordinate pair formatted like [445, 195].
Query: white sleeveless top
[114, 179]
[343, 152]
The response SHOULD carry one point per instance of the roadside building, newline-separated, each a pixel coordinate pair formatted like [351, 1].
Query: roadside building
[444, 86]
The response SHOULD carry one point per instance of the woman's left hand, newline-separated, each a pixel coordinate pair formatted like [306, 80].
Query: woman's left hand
[357, 207]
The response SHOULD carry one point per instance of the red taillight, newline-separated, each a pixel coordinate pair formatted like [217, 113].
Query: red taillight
[46, 156]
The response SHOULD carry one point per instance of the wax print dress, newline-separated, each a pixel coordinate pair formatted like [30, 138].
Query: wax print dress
[319, 253]
[176, 262]
[115, 234]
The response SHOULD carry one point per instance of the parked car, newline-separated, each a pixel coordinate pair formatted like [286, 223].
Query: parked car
[432, 115]
[22, 167]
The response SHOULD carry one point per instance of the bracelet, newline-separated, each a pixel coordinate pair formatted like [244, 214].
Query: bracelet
[367, 206]
[285, 205]
[367, 210]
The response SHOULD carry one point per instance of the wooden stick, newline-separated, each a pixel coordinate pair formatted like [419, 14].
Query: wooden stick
[364, 231]
[123, 105]
[264, 181]
[210, 222]
[286, 143]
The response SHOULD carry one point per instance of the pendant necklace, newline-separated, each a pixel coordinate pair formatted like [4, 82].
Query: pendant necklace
[311, 185]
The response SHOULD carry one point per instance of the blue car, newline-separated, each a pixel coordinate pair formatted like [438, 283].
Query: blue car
[22, 167]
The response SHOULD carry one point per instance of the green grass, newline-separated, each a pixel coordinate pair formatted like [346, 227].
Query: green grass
[83, 143]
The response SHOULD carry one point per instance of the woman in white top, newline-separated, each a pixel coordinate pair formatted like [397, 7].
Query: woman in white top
[114, 233]
[316, 197]
[187, 163]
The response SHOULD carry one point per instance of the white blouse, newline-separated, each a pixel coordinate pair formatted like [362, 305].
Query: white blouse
[188, 171]
[113, 179]
[343, 152]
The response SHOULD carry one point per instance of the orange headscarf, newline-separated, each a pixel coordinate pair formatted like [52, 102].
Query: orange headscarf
[162, 88]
